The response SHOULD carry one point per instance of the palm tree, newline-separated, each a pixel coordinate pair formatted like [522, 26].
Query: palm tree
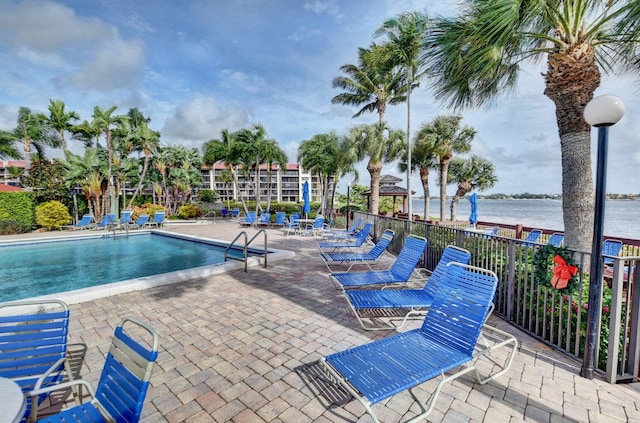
[424, 159]
[60, 120]
[320, 155]
[476, 57]
[226, 177]
[372, 84]
[405, 44]
[382, 145]
[104, 120]
[449, 139]
[31, 132]
[87, 172]
[7, 149]
[472, 173]
[227, 151]
[271, 154]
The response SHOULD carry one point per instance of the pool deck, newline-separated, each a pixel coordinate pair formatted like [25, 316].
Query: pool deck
[241, 347]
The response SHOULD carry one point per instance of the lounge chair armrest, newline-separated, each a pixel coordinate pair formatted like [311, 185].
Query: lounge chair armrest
[486, 348]
[51, 369]
[63, 385]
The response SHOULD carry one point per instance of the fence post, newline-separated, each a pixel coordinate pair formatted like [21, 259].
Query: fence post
[511, 277]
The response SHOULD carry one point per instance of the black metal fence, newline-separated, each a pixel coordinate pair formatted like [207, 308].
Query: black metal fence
[559, 320]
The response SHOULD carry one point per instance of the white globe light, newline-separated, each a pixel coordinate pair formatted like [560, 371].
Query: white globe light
[604, 110]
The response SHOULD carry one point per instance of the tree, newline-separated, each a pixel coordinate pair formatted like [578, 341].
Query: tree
[382, 145]
[472, 173]
[405, 35]
[226, 177]
[227, 151]
[47, 180]
[271, 154]
[449, 139]
[424, 159]
[60, 120]
[88, 172]
[252, 144]
[7, 149]
[372, 84]
[31, 132]
[176, 174]
[476, 57]
[322, 154]
[104, 120]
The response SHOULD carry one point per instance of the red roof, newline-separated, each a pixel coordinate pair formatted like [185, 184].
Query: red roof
[9, 188]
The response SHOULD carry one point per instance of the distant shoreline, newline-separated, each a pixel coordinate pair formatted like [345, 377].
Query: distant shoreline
[623, 197]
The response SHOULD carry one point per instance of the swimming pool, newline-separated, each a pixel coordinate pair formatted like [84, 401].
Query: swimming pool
[83, 268]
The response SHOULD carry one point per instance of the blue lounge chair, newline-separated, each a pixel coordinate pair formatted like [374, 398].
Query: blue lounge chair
[265, 219]
[158, 219]
[33, 347]
[611, 248]
[368, 258]
[532, 238]
[224, 213]
[85, 223]
[281, 219]
[140, 222]
[344, 233]
[316, 228]
[399, 273]
[355, 241]
[106, 222]
[445, 343]
[293, 225]
[409, 302]
[249, 219]
[123, 383]
[235, 212]
[556, 239]
[125, 218]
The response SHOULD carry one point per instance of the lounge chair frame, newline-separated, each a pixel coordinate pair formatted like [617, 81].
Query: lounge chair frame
[406, 303]
[123, 383]
[355, 241]
[33, 348]
[351, 259]
[447, 342]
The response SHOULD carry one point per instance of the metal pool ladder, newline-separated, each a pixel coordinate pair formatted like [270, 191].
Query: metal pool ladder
[245, 248]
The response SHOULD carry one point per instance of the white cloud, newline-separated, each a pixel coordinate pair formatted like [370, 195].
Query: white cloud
[200, 119]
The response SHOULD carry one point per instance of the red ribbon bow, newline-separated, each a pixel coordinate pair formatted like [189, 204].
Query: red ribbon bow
[562, 272]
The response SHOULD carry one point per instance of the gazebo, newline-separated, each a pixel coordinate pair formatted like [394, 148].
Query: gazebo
[388, 188]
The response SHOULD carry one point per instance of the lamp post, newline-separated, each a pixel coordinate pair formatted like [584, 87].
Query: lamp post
[348, 200]
[601, 112]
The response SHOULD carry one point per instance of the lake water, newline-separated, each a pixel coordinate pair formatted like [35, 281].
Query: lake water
[622, 217]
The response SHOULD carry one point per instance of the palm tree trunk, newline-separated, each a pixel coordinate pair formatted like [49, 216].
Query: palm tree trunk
[444, 170]
[424, 178]
[139, 187]
[375, 169]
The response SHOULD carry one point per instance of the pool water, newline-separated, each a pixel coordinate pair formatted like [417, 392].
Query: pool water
[31, 270]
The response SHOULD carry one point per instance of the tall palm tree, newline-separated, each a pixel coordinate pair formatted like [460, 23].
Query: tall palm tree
[31, 132]
[251, 143]
[449, 139]
[227, 151]
[424, 159]
[373, 84]
[7, 147]
[226, 177]
[405, 35]
[476, 56]
[271, 154]
[105, 120]
[382, 145]
[472, 173]
[60, 120]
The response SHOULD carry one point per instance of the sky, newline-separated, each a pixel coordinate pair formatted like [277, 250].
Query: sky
[200, 66]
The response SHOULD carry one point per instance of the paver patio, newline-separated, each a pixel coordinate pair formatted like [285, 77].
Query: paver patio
[241, 347]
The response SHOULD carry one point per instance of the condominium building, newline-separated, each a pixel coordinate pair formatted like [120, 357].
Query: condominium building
[284, 182]
[6, 176]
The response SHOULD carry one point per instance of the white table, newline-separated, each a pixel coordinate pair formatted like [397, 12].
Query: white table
[12, 401]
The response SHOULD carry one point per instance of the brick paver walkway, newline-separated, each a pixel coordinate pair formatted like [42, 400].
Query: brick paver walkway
[241, 347]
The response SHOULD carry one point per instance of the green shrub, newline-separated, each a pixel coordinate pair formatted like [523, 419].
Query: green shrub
[189, 211]
[146, 208]
[52, 215]
[207, 196]
[11, 227]
[17, 207]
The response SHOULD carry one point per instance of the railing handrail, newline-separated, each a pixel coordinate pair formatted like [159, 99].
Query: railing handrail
[265, 243]
[244, 249]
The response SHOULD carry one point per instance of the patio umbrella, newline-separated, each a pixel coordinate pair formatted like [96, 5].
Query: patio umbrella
[473, 217]
[306, 208]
